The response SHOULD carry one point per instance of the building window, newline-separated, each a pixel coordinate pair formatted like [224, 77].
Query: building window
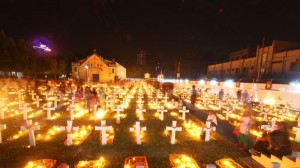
[244, 70]
[237, 70]
[75, 69]
[112, 70]
[295, 66]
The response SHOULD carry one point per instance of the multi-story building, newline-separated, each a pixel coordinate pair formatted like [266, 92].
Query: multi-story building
[278, 60]
[97, 69]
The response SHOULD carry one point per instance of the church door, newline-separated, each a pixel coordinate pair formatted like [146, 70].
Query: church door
[95, 77]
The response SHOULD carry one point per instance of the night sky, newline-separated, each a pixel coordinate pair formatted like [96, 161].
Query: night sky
[165, 29]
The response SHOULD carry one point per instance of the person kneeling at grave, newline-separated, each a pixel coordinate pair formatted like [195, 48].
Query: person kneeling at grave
[276, 143]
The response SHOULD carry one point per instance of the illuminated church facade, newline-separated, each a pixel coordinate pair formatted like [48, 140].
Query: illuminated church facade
[97, 69]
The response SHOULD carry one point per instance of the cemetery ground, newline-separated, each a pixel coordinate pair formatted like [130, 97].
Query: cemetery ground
[155, 145]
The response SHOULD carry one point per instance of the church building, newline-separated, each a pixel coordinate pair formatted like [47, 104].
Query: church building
[97, 69]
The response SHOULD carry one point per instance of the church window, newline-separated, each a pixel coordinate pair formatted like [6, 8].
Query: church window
[112, 70]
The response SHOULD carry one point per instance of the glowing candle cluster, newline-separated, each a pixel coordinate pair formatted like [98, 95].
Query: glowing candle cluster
[100, 163]
[182, 160]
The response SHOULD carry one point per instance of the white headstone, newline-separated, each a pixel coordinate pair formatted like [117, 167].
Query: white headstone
[227, 112]
[103, 128]
[207, 130]
[162, 111]
[49, 109]
[2, 127]
[183, 111]
[25, 110]
[138, 131]
[118, 115]
[71, 108]
[32, 95]
[31, 128]
[69, 129]
[37, 100]
[173, 129]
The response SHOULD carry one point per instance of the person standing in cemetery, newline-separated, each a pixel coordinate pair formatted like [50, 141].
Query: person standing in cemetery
[101, 97]
[221, 94]
[94, 97]
[244, 129]
[245, 97]
[239, 95]
[193, 95]
[212, 118]
[78, 95]
[88, 98]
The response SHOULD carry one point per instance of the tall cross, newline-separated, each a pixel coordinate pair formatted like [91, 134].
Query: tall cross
[162, 111]
[227, 112]
[2, 127]
[49, 109]
[69, 129]
[71, 108]
[32, 95]
[173, 129]
[265, 112]
[118, 110]
[55, 102]
[103, 128]
[138, 130]
[31, 128]
[25, 110]
[183, 111]
[37, 100]
[207, 130]
[140, 113]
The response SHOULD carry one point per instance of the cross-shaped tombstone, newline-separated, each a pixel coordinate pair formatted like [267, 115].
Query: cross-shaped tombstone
[25, 109]
[284, 112]
[183, 111]
[103, 128]
[69, 129]
[2, 127]
[207, 130]
[162, 111]
[37, 100]
[118, 110]
[166, 97]
[173, 128]
[271, 127]
[140, 113]
[139, 101]
[49, 109]
[227, 112]
[265, 112]
[297, 139]
[71, 108]
[138, 130]
[56, 100]
[3, 108]
[32, 95]
[31, 128]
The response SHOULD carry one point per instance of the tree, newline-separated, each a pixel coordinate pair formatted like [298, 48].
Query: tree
[57, 67]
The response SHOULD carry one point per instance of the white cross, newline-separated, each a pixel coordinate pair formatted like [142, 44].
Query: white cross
[173, 129]
[140, 113]
[183, 111]
[31, 128]
[271, 127]
[37, 100]
[3, 108]
[162, 111]
[2, 127]
[227, 112]
[265, 112]
[32, 95]
[284, 112]
[71, 108]
[138, 131]
[69, 129]
[55, 102]
[166, 97]
[103, 128]
[118, 110]
[140, 101]
[25, 110]
[207, 130]
[49, 109]
[297, 139]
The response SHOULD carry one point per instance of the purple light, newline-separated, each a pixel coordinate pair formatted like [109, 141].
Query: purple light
[42, 47]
